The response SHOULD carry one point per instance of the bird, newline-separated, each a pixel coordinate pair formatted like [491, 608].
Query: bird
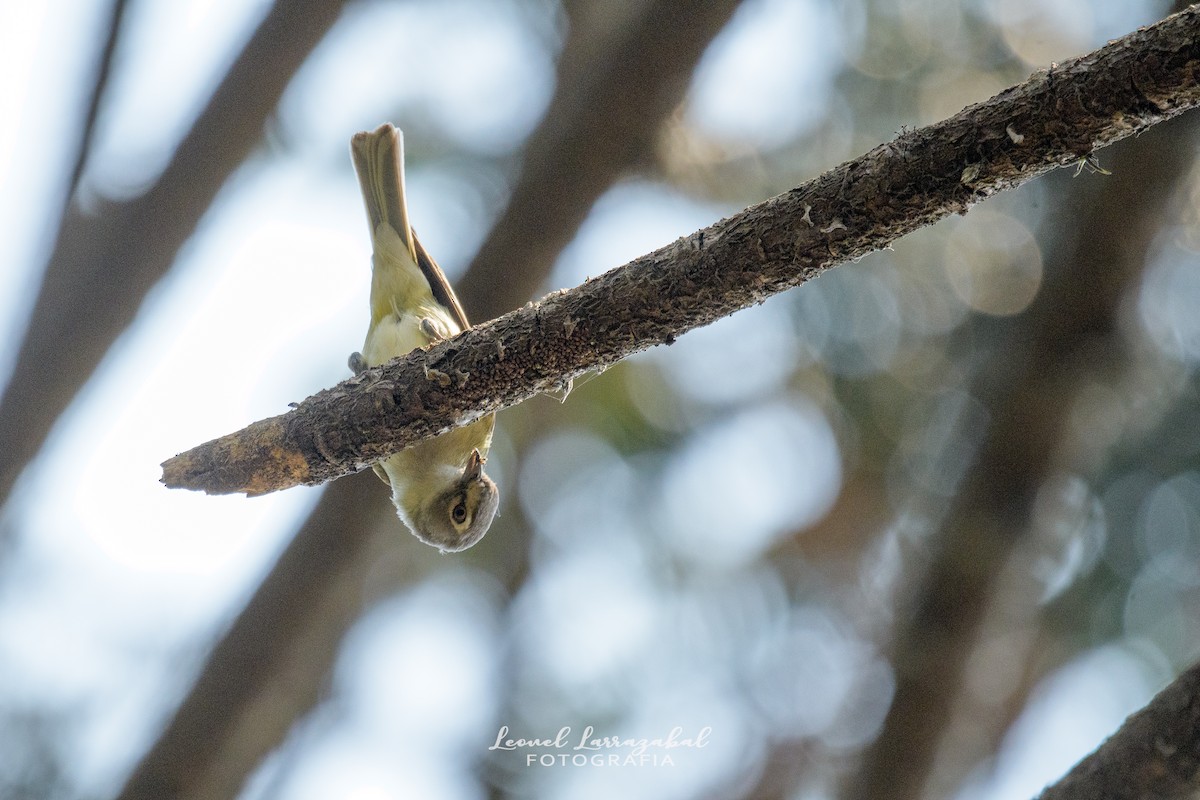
[439, 488]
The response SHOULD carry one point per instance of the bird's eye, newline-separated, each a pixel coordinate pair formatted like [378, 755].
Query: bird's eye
[459, 513]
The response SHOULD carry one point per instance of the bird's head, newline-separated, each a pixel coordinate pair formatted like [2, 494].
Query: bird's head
[459, 516]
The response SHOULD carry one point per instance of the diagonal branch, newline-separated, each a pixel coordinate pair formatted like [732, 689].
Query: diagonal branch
[1156, 753]
[235, 714]
[614, 92]
[108, 51]
[1057, 117]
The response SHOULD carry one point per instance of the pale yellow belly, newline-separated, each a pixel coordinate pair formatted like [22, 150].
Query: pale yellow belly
[397, 335]
[393, 336]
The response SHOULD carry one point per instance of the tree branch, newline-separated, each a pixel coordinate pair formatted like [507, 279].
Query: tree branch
[289, 632]
[108, 51]
[1055, 118]
[1156, 753]
[1028, 387]
[615, 90]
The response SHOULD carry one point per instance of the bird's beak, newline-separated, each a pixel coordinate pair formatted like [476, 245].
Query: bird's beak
[474, 466]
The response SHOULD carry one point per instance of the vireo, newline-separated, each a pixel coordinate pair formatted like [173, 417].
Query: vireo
[438, 486]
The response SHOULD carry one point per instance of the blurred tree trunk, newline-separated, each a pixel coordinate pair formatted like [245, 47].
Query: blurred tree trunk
[1102, 229]
[620, 77]
[106, 259]
[289, 632]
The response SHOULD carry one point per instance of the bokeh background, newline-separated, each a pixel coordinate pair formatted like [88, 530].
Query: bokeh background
[929, 524]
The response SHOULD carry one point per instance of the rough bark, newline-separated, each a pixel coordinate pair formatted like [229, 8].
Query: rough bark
[1055, 118]
[269, 668]
[1155, 754]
